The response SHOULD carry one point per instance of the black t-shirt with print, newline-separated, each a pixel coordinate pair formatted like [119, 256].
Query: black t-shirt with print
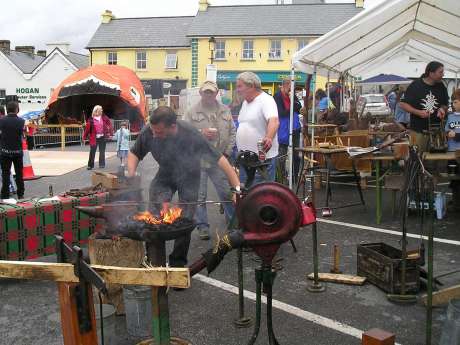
[425, 97]
[179, 157]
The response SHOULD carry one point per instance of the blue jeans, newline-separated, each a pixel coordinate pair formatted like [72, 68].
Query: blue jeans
[271, 169]
[220, 182]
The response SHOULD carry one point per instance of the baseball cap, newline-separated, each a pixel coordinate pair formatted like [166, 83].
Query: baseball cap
[209, 85]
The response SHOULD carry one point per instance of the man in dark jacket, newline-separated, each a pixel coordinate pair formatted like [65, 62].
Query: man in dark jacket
[11, 129]
[283, 102]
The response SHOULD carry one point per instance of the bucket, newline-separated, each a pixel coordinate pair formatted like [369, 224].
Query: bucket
[108, 312]
[451, 328]
[138, 308]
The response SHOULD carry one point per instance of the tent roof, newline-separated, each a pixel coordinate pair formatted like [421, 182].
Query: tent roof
[428, 28]
[386, 79]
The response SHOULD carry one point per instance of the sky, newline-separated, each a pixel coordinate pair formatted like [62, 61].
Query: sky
[32, 22]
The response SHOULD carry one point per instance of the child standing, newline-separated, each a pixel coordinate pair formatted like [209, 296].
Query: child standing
[122, 136]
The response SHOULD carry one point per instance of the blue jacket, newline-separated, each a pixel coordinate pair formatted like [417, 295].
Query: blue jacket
[122, 136]
[284, 115]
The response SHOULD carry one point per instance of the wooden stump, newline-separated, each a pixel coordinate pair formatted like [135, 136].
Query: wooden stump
[122, 253]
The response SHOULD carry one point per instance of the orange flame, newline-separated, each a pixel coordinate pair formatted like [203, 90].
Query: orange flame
[167, 216]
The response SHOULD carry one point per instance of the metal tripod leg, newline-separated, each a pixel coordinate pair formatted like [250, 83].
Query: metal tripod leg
[358, 182]
[242, 321]
[268, 287]
[259, 279]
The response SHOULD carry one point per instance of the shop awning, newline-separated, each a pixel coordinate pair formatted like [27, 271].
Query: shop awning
[426, 28]
[265, 76]
[102, 80]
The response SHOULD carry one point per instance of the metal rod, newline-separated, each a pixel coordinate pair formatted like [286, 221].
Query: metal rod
[429, 301]
[291, 124]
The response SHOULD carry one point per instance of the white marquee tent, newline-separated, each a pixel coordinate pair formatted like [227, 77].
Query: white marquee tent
[428, 29]
[425, 29]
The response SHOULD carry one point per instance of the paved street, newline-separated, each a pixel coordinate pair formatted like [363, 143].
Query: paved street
[204, 313]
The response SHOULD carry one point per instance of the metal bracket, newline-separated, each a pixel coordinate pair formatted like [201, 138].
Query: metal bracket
[87, 276]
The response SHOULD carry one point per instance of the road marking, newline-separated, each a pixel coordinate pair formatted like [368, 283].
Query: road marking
[385, 231]
[290, 309]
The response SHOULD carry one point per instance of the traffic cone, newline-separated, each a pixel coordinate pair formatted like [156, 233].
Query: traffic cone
[27, 169]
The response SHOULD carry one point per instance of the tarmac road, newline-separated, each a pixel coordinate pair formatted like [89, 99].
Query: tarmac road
[204, 313]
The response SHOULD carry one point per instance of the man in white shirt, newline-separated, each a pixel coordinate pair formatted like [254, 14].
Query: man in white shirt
[258, 121]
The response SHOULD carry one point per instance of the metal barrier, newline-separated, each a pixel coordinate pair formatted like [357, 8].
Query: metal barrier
[58, 134]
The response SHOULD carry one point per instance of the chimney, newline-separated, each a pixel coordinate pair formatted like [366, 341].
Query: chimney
[25, 49]
[359, 3]
[5, 46]
[107, 16]
[64, 47]
[41, 53]
[203, 5]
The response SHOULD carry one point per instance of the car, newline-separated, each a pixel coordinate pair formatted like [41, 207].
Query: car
[373, 105]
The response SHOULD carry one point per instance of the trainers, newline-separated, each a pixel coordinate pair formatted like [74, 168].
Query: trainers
[89, 168]
[204, 234]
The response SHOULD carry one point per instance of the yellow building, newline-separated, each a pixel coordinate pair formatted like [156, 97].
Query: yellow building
[258, 38]
[156, 48]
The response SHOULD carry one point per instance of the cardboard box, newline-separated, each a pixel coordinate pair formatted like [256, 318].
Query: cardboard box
[111, 181]
[107, 180]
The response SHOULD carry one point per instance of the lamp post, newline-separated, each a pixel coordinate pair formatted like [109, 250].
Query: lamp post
[212, 44]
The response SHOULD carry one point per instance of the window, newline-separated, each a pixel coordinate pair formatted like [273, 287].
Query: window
[141, 60]
[112, 58]
[171, 60]
[248, 49]
[219, 52]
[275, 50]
[302, 43]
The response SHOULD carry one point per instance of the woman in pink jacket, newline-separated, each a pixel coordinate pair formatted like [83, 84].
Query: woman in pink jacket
[98, 129]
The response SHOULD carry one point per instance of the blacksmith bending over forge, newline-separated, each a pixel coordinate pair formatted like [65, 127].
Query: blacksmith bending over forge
[179, 149]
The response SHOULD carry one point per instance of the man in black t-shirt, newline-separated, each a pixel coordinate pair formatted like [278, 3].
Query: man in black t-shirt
[426, 100]
[179, 149]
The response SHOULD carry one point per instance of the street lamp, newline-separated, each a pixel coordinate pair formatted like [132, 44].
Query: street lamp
[212, 45]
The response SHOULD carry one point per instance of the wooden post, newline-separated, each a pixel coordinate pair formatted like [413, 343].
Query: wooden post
[377, 336]
[62, 138]
[69, 317]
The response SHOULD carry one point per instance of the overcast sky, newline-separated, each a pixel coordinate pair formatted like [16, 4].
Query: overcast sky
[33, 22]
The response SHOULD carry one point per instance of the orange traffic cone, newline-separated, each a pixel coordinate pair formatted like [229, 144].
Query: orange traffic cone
[27, 170]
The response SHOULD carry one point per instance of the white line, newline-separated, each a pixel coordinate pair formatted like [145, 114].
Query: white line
[303, 314]
[385, 231]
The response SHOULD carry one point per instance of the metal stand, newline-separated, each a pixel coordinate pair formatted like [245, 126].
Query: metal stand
[316, 286]
[242, 321]
[265, 278]
[156, 254]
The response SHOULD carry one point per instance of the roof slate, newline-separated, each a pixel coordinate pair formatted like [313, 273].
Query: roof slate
[271, 20]
[79, 60]
[27, 63]
[142, 32]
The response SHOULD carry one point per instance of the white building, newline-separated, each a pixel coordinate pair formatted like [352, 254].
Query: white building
[33, 76]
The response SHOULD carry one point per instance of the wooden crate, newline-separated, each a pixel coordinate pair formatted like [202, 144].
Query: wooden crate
[381, 265]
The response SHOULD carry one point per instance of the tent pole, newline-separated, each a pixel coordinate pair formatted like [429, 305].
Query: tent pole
[291, 126]
[328, 88]
[456, 79]
[316, 285]
[342, 85]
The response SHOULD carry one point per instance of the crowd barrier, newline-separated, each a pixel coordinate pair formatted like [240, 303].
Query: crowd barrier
[46, 135]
